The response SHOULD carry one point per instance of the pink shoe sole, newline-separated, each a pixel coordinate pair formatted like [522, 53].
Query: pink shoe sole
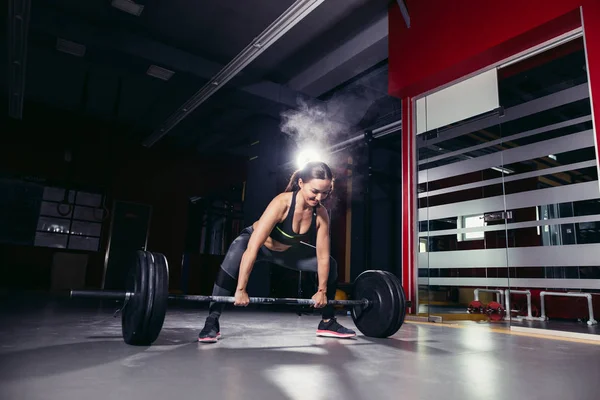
[335, 334]
[210, 340]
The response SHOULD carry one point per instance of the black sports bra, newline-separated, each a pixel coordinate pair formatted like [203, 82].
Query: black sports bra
[283, 231]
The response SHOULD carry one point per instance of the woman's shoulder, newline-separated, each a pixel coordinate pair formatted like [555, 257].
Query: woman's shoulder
[283, 199]
[284, 196]
[322, 211]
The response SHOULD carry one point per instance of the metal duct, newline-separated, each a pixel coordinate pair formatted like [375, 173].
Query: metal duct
[18, 27]
[293, 15]
[404, 12]
[377, 133]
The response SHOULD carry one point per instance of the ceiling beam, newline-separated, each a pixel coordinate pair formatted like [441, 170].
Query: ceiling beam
[286, 21]
[18, 28]
[404, 12]
[358, 53]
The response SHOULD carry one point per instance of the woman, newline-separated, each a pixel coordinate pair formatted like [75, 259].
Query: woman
[279, 237]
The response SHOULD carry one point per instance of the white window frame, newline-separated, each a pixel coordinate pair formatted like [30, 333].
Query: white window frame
[467, 236]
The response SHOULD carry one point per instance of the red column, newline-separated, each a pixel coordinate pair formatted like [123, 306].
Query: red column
[590, 16]
[409, 190]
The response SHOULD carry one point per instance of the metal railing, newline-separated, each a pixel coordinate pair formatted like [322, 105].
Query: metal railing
[503, 297]
[529, 315]
[499, 294]
[588, 296]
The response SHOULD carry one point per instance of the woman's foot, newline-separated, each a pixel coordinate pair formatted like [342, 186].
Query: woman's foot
[211, 331]
[331, 328]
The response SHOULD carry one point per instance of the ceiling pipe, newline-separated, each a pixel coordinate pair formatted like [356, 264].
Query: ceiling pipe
[377, 133]
[18, 28]
[382, 131]
[293, 15]
[404, 12]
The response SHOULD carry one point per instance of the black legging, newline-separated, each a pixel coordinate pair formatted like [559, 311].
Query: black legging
[302, 257]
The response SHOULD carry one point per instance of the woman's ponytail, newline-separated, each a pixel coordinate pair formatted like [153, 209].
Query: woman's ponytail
[293, 183]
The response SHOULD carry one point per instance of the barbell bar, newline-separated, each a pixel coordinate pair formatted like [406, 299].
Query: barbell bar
[378, 310]
[122, 296]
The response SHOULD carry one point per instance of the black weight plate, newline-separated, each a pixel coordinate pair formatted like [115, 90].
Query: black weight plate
[134, 311]
[160, 296]
[395, 304]
[381, 315]
[401, 301]
[150, 296]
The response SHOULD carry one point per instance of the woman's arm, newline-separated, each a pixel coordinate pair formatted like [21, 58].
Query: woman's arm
[270, 217]
[323, 248]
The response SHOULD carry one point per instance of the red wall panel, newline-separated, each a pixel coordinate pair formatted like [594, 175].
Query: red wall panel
[449, 39]
[409, 217]
[591, 25]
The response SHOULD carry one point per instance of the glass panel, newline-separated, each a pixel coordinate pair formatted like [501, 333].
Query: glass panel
[461, 213]
[81, 228]
[56, 225]
[543, 74]
[89, 199]
[513, 203]
[553, 189]
[57, 194]
[51, 240]
[88, 213]
[84, 243]
[422, 262]
[50, 209]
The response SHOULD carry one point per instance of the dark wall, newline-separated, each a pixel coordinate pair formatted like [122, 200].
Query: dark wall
[385, 214]
[269, 152]
[339, 207]
[378, 228]
[103, 161]
[265, 181]
[165, 180]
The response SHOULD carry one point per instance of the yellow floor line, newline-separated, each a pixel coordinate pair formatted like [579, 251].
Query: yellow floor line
[507, 331]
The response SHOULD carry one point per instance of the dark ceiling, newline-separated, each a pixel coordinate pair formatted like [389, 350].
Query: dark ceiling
[338, 51]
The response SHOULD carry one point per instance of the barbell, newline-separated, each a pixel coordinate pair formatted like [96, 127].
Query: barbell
[378, 310]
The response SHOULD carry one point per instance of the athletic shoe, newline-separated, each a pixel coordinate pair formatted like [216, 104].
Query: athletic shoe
[332, 328]
[211, 331]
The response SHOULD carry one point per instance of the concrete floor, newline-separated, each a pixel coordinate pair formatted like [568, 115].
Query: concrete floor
[559, 325]
[58, 350]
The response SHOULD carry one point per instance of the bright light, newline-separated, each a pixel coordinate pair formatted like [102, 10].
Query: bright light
[503, 170]
[307, 155]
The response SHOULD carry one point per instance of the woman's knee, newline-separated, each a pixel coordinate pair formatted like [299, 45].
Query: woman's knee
[233, 258]
[333, 270]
